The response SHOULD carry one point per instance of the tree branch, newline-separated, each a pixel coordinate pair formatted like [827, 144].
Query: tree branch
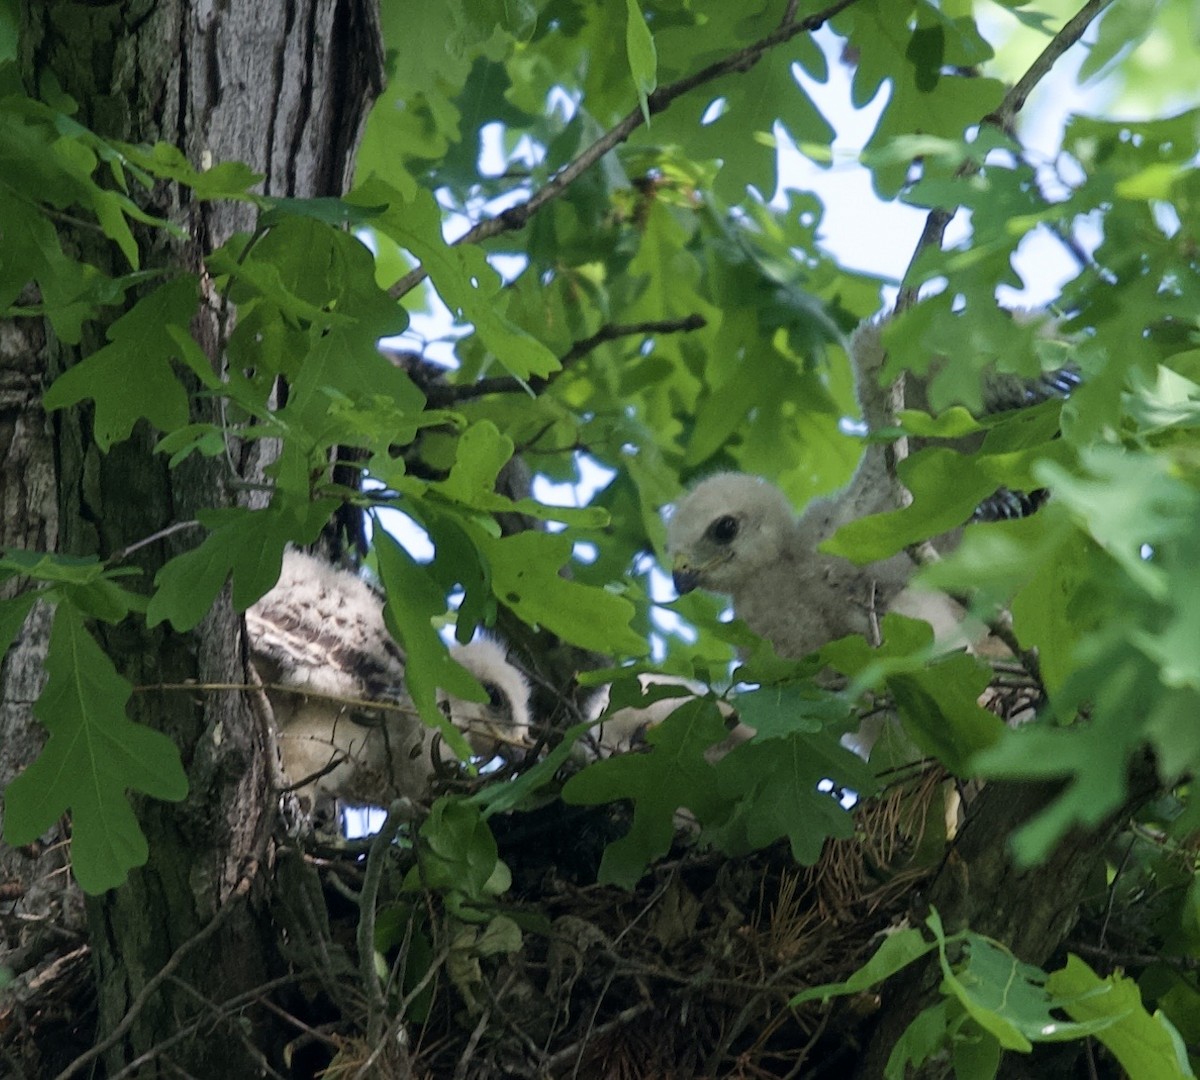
[399, 812]
[439, 395]
[939, 217]
[516, 217]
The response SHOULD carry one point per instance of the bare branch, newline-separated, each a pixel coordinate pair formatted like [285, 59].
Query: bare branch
[742, 60]
[257, 996]
[1070, 33]
[162, 534]
[440, 395]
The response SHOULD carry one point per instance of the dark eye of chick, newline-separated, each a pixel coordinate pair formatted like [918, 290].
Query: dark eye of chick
[724, 529]
[495, 698]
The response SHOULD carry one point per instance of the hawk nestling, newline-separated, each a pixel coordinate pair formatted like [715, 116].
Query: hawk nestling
[319, 642]
[737, 534]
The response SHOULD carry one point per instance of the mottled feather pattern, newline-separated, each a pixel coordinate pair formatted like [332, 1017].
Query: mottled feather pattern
[320, 643]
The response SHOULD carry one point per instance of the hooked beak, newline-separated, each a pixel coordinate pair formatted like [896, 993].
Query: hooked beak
[685, 578]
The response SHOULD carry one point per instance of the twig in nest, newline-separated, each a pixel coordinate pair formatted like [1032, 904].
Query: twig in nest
[233, 1005]
[577, 1048]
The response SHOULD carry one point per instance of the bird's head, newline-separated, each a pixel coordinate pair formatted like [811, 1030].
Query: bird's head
[499, 725]
[726, 530]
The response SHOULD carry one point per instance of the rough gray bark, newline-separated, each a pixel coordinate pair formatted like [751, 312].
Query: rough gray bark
[42, 906]
[284, 88]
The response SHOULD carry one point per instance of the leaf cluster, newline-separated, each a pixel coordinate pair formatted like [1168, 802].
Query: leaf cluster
[651, 313]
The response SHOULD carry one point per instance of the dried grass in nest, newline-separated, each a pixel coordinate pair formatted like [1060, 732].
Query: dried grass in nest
[691, 974]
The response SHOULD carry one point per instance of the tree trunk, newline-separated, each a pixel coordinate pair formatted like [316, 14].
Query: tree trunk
[43, 907]
[284, 88]
[1030, 911]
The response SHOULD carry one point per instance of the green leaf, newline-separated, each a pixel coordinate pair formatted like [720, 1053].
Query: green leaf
[415, 600]
[140, 350]
[461, 275]
[525, 576]
[1146, 1046]
[922, 100]
[898, 949]
[776, 788]
[941, 711]
[1006, 997]
[325, 209]
[1128, 501]
[976, 1055]
[226, 180]
[32, 251]
[84, 582]
[1096, 763]
[672, 774]
[922, 1038]
[481, 454]
[458, 853]
[751, 103]
[499, 798]
[9, 26]
[946, 487]
[247, 543]
[13, 612]
[643, 60]
[94, 755]
[501, 936]
[775, 711]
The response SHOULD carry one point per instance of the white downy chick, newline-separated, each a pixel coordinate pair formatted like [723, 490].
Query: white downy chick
[737, 534]
[320, 644]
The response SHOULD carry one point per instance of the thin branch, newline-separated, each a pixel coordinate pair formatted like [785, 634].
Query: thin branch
[312, 1033]
[125, 552]
[400, 811]
[577, 1048]
[397, 1022]
[371, 704]
[939, 217]
[1070, 33]
[374, 705]
[240, 890]
[219, 1014]
[156, 981]
[516, 217]
[464, 1061]
[1135, 959]
[234, 1004]
[439, 394]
